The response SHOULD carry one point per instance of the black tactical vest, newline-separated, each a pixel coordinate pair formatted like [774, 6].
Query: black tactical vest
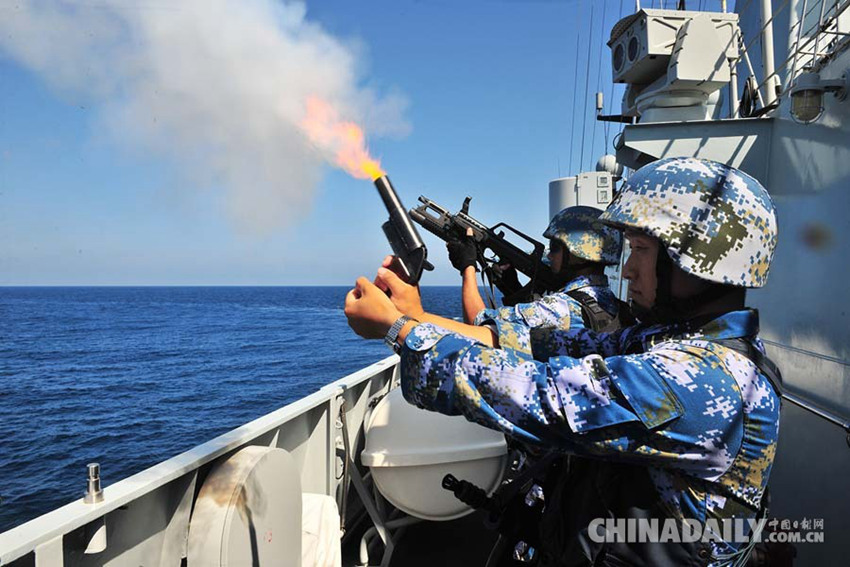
[586, 489]
[594, 316]
[578, 490]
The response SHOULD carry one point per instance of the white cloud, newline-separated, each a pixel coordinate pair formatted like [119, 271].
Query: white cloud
[215, 86]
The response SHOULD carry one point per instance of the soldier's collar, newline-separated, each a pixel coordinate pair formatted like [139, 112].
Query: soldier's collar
[730, 325]
[593, 280]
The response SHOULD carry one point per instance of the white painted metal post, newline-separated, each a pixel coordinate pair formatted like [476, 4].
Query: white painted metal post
[333, 417]
[793, 22]
[733, 88]
[801, 19]
[50, 553]
[816, 52]
[767, 52]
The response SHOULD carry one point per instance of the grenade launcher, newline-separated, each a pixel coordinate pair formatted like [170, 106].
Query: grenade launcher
[411, 256]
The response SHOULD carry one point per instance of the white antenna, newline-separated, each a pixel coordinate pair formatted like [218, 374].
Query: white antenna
[767, 52]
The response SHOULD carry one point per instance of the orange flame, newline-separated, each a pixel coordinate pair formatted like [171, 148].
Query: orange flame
[344, 139]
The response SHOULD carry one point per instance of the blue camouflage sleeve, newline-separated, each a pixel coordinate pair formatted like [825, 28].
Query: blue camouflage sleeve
[555, 310]
[545, 343]
[513, 324]
[638, 408]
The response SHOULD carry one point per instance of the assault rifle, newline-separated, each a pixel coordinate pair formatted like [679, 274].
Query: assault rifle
[447, 226]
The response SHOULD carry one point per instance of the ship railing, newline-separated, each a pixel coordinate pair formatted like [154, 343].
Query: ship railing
[309, 428]
[805, 53]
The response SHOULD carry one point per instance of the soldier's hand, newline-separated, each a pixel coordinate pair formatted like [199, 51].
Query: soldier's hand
[392, 265]
[507, 279]
[403, 296]
[370, 312]
[463, 252]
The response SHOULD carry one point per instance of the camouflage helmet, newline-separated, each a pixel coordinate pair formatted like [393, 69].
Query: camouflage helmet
[716, 222]
[579, 229]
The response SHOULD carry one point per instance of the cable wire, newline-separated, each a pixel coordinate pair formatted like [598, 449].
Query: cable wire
[606, 126]
[586, 89]
[620, 125]
[575, 93]
[598, 81]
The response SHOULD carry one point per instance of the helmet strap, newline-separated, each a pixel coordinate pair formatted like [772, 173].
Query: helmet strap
[664, 309]
[574, 266]
[668, 309]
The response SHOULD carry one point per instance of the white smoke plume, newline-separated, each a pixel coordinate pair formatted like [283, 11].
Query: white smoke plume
[218, 87]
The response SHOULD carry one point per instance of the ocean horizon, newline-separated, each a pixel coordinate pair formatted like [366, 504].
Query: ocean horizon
[128, 376]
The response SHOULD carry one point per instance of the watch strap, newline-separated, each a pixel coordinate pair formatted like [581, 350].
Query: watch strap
[392, 335]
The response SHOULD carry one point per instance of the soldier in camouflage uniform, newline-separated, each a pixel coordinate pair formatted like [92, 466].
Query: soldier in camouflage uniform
[676, 421]
[580, 248]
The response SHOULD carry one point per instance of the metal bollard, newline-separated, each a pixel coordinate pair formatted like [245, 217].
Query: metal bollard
[94, 493]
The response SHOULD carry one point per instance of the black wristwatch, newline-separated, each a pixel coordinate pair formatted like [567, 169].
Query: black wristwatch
[392, 335]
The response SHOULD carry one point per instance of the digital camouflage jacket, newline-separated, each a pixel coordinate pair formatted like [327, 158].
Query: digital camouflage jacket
[554, 311]
[699, 416]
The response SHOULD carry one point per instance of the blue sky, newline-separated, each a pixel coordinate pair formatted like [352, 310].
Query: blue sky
[490, 91]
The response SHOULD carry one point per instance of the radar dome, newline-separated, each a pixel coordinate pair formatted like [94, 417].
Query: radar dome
[608, 163]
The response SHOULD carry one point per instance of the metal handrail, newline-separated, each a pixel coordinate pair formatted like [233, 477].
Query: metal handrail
[799, 22]
[825, 415]
[760, 34]
[799, 48]
[811, 35]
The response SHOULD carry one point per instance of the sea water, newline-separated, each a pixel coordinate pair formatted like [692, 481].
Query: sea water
[131, 376]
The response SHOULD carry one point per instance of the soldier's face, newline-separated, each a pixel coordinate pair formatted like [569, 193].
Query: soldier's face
[556, 255]
[640, 268]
